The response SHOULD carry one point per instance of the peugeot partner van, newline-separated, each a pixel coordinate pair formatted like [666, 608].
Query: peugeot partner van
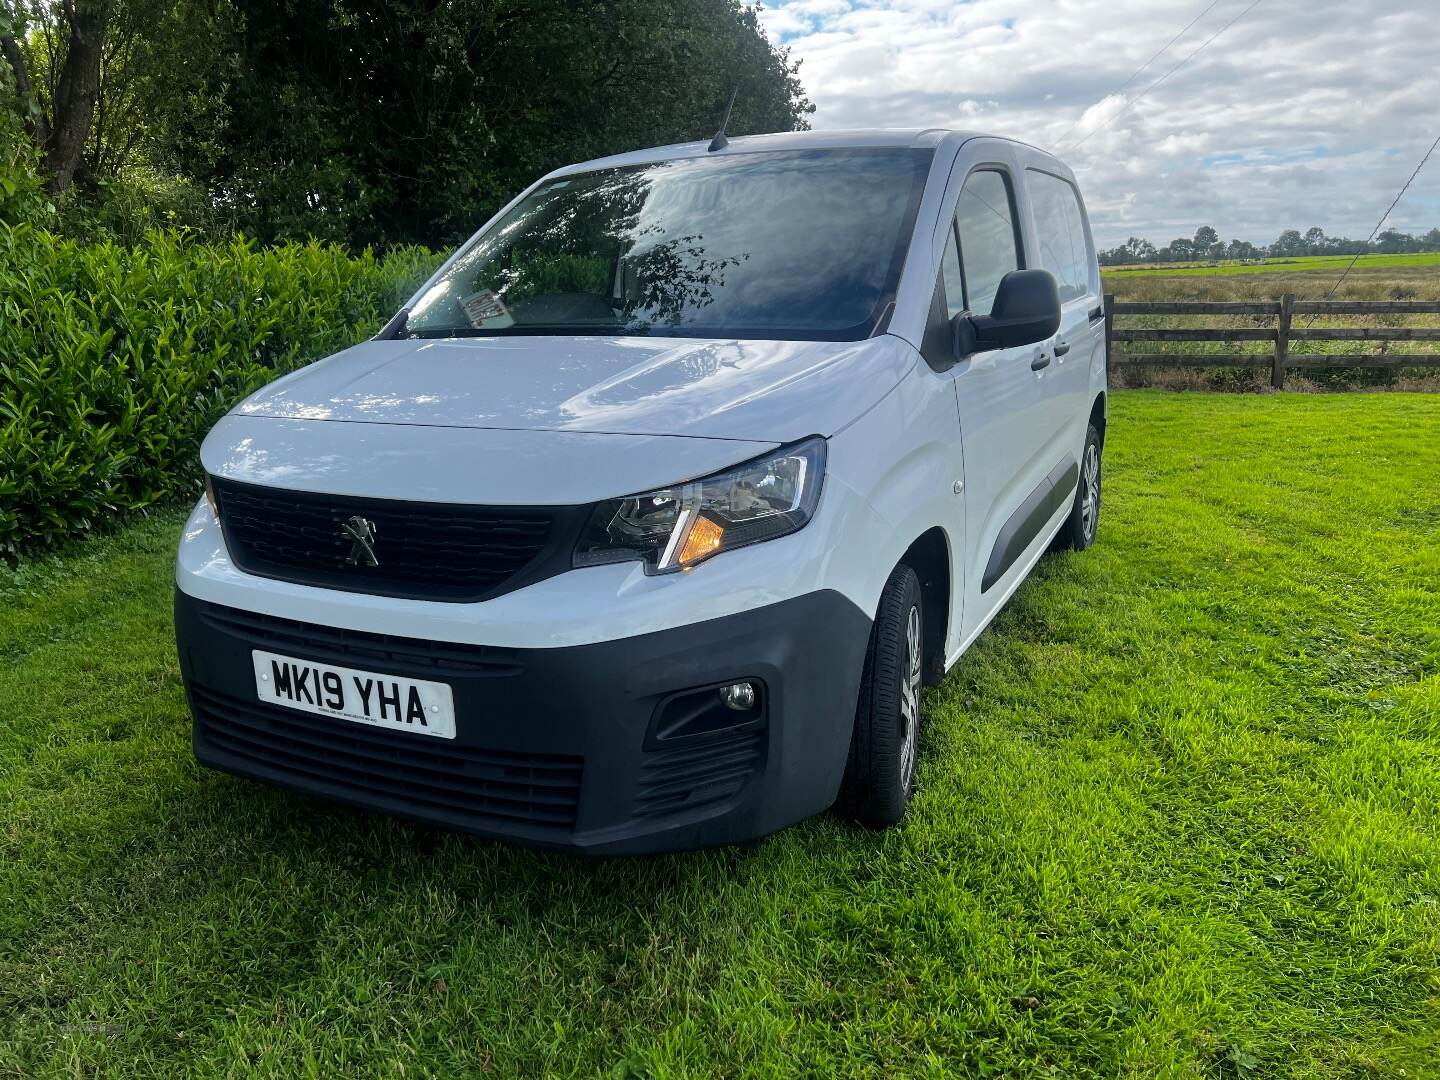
[642, 525]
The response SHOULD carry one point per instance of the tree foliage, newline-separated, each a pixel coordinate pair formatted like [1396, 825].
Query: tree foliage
[98, 85]
[410, 121]
[22, 195]
[1291, 243]
[363, 123]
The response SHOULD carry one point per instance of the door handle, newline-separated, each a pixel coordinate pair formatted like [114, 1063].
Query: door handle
[1061, 348]
[1040, 361]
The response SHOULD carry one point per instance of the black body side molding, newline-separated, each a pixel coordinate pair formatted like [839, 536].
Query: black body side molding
[1021, 528]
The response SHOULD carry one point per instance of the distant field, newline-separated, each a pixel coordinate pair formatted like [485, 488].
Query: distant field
[1374, 277]
[1301, 264]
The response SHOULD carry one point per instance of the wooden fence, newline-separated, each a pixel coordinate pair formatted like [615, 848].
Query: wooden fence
[1281, 336]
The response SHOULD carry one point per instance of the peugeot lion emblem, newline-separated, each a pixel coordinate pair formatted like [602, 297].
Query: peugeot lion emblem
[361, 534]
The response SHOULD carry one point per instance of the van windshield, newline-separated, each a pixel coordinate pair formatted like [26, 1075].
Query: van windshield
[801, 245]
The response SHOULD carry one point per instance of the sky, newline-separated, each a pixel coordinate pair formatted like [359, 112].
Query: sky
[1301, 113]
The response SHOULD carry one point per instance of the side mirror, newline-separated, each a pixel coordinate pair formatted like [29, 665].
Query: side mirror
[1026, 310]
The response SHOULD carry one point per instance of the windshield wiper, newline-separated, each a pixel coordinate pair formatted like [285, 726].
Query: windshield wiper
[553, 329]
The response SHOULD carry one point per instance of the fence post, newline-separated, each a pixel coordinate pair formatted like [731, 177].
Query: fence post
[1109, 330]
[1282, 343]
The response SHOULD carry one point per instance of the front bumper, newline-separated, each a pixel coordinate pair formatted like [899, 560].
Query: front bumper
[555, 747]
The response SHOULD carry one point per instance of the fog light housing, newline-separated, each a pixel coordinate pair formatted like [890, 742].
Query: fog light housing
[738, 696]
[704, 713]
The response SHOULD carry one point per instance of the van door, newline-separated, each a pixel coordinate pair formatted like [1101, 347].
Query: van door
[1062, 245]
[1005, 425]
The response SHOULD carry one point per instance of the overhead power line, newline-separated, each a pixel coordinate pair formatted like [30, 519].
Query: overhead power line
[1142, 68]
[1388, 211]
[1132, 101]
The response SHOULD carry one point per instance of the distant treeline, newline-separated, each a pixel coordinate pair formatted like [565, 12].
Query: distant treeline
[1206, 245]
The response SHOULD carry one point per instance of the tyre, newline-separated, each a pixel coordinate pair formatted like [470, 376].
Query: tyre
[880, 772]
[1080, 527]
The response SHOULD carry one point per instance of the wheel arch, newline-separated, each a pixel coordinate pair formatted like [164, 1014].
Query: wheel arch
[929, 556]
[1099, 409]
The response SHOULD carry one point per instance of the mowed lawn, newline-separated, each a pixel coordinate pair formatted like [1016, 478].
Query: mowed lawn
[1179, 816]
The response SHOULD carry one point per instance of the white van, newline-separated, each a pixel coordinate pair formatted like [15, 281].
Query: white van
[641, 526]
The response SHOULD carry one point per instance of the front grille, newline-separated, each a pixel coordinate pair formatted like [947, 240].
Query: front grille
[688, 778]
[433, 551]
[482, 788]
[400, 655]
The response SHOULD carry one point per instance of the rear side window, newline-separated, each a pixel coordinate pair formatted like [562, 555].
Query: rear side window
[989, 244]
[1060, 233]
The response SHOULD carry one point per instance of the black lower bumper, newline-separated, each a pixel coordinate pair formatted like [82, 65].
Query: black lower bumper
[614, 748]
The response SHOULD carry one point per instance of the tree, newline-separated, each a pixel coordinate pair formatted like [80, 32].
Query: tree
[371, 123]
[413, 121]
[1392, 242]
[1140, 250]
[93, 112]
[29, 111]
[59, 118]
[1181, 249]
[22, 196]
[1205, 238]
[1134, 250]
[1288, 243]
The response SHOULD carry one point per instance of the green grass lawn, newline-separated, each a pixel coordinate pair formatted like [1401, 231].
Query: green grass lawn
[1299, 264]
[1179, 815]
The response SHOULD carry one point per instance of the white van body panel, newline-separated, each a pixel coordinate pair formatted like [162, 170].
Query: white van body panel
[1078, 374]
[870, 502]
[588, 605]
[645, 412]
[767, 391]
[496, 466]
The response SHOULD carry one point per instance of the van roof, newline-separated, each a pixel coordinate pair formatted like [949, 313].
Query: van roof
[920, 138]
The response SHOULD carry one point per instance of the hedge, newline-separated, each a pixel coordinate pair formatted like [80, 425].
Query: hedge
[115, 361]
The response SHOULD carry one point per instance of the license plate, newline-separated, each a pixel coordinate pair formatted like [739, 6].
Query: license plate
[366, 697]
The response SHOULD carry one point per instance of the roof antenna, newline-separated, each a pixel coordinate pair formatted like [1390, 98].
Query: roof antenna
[719, 142]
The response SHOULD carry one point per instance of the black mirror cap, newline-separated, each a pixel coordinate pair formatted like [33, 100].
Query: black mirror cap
[1026, 310]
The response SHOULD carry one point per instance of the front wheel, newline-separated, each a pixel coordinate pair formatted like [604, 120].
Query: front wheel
[880, 772]
[1080, 527]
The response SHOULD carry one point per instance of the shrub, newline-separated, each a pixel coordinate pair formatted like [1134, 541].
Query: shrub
[22, 195]
[116, 360]
[128, 207]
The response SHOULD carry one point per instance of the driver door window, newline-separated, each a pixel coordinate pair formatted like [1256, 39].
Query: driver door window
[989, 243]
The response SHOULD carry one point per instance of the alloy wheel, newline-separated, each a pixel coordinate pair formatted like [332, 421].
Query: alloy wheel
[910, 698]
[1090, 495]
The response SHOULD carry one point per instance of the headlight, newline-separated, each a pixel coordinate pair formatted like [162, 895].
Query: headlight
[680, 526]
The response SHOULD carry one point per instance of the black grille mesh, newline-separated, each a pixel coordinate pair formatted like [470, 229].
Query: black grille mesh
[683, 779]
[411, 656]
[417, 772]
[425, 550]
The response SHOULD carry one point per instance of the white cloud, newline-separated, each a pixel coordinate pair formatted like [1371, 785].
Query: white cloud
[1298, 115]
